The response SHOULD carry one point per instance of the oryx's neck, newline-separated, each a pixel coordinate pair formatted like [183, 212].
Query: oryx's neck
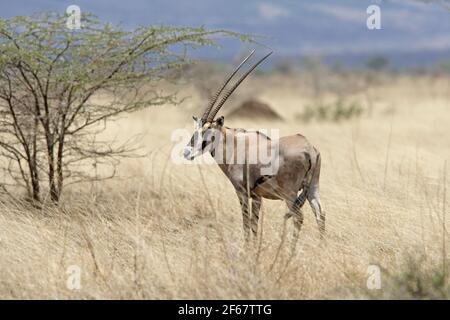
[234, 146]
[227, 141]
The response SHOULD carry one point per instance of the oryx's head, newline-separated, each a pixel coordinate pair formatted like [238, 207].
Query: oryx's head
[207, 130]
[205, 138]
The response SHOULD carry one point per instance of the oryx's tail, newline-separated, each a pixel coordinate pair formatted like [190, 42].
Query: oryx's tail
[312, 174]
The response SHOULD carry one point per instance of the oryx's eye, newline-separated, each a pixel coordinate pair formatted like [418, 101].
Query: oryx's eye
[193, 139]
[197, 137]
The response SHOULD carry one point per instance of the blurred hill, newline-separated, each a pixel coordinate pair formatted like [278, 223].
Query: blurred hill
[414, 33]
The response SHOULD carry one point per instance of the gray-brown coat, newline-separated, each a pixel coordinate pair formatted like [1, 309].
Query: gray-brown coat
[292, 174]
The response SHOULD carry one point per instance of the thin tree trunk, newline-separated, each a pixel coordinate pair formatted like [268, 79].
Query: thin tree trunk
[51, 169]
[34, 176]
[33, 167]
[59, 164]
[54, 194]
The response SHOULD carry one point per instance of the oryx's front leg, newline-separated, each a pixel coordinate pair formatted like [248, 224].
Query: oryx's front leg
[256, 206]
[296, 213]
[298, 220]
[245, 207]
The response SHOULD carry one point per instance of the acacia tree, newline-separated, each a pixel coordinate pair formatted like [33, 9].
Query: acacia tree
[51, 79]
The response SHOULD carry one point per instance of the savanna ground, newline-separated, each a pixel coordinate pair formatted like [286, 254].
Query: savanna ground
[162, 231]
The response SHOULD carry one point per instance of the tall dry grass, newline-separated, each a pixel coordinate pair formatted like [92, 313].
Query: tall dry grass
[164, 231]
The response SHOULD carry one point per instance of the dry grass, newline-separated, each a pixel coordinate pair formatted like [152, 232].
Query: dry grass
[174, 231]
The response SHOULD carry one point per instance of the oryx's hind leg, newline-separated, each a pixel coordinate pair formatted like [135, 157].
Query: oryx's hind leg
[256, 206]
[244, 201]
[314, 199]
[296, 213]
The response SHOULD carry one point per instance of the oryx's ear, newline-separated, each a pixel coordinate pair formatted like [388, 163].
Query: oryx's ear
[220, 121]
[195, 118]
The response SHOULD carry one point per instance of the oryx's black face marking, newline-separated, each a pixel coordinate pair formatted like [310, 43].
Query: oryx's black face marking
[204, 138]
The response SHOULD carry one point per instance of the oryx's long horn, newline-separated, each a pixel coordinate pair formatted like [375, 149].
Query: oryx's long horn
[213, 113]
[216, 96]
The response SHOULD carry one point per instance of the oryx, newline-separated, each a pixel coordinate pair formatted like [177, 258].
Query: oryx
[294, 178]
